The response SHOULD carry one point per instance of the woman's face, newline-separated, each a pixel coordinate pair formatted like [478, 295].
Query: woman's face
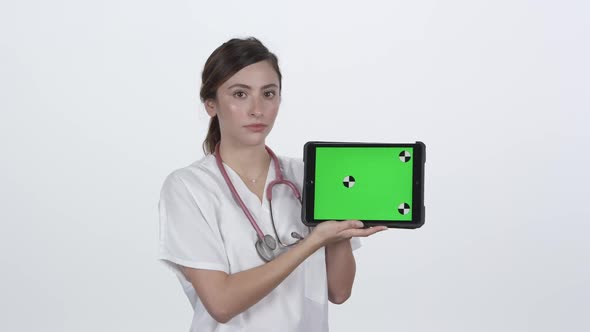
[251, 96]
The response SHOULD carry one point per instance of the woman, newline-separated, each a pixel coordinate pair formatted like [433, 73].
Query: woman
[206, 235]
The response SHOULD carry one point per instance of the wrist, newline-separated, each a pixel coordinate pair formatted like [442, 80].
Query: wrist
[339, 243]
[312, 242]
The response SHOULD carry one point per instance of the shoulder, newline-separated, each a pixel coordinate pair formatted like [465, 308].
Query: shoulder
[196, 176]
[292, 165]
[291, 162]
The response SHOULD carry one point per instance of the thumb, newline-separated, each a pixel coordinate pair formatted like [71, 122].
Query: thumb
[354, 224]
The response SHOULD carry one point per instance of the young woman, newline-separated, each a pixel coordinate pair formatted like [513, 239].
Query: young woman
[247, 263]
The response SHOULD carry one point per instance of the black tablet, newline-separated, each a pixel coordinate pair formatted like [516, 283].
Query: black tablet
[377, 183]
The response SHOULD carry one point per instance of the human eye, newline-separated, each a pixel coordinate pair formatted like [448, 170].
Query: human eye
[239, 94]
[270, 93]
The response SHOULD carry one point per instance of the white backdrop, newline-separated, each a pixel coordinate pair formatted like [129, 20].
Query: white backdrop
[99, 102]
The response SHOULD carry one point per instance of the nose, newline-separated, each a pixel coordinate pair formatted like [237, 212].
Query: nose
[256, 113]
[256, 110]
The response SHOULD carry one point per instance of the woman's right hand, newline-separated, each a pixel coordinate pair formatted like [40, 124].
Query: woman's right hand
[331, 231]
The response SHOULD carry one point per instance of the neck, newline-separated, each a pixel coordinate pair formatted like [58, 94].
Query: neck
[248, 161]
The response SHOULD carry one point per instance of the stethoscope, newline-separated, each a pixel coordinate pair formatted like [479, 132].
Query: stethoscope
[266, 244]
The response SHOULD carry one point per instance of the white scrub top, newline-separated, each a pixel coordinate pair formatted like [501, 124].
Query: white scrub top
[203, 227]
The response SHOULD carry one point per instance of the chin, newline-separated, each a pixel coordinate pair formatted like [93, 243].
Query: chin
[254, 141]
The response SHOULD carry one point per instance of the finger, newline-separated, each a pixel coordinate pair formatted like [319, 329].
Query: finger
[349, 224]
[374, 229]
[365, 232]
[355, 224]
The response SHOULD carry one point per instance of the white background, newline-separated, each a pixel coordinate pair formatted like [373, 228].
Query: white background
[99, 102]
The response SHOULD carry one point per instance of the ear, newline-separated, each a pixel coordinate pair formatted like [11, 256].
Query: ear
[211, 107]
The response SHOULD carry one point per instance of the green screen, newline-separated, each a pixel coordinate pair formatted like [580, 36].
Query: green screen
[365, 183]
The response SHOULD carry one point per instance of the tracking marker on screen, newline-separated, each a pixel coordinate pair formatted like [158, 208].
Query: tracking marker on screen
[404, 208]
[405, 156]
[348, 182]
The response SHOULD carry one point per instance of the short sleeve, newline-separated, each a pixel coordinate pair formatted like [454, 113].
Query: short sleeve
[187, 238]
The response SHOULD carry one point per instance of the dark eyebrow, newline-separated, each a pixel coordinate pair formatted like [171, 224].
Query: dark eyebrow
[248, 87]
[238, 85]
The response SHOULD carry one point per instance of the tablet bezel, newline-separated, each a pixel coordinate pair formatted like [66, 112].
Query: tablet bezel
[419, 156]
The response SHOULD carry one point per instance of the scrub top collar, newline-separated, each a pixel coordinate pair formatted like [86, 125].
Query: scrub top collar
[243, 188]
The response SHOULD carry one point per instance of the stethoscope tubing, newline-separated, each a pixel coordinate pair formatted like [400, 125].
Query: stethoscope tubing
[279, 180]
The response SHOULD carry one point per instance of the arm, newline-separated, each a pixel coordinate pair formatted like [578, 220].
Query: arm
[225, 296]
[341, 269]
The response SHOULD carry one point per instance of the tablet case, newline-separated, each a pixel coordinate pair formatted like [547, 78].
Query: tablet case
[378, 183]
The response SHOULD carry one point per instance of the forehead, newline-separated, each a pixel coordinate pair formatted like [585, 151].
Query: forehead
[256, 74]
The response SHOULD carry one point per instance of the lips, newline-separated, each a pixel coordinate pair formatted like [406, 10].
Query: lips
[256, 126]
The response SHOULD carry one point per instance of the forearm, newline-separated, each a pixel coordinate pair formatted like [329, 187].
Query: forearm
[341, 269]
[246, 288]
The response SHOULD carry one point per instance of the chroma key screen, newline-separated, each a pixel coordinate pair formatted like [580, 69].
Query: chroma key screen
[365, 183]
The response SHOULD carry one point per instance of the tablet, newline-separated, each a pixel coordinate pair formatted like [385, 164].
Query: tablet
[377, 183]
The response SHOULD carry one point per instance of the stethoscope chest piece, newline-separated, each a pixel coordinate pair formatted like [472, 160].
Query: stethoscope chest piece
[266, 247]
[270, 242]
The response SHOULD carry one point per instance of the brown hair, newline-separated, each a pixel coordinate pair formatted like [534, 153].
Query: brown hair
[229, 58]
